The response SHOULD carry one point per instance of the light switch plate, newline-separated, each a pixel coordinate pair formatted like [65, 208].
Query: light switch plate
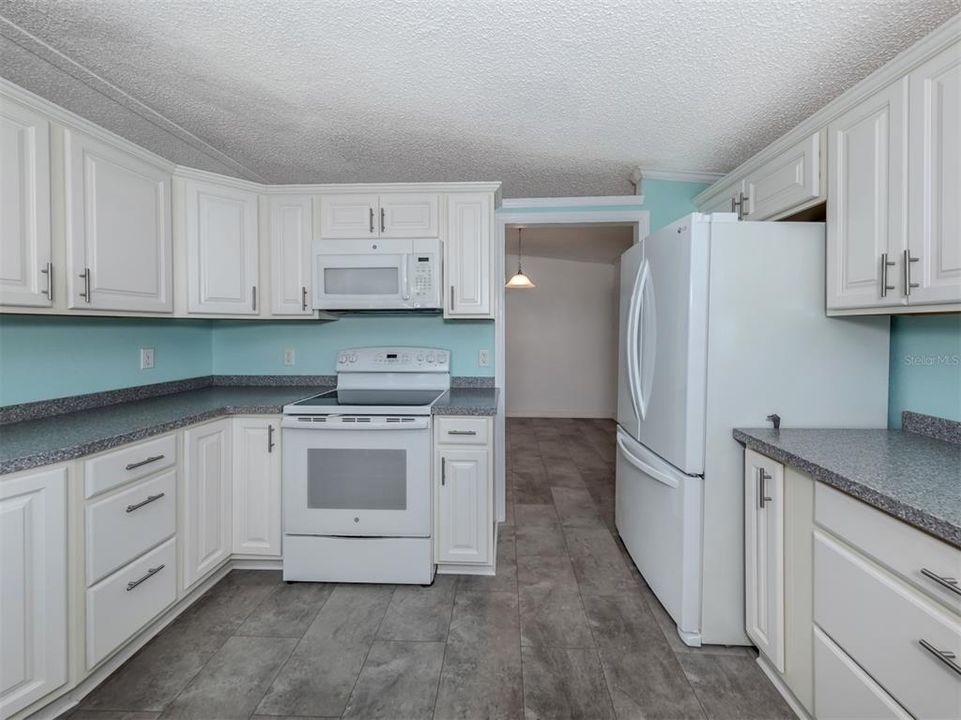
[146, 358]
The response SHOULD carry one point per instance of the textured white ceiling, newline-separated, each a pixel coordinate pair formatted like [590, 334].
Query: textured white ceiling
[551, 97]
[593, 244]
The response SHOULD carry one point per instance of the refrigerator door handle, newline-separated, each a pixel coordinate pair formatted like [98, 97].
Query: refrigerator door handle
[639, 387]
[631, 343]
[653, 472]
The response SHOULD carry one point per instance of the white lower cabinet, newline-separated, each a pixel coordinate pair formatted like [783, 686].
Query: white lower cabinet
[256, 487]
[33, 591]
[207, 536]
[463, 492]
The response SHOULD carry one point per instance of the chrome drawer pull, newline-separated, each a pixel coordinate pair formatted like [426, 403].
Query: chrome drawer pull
[461, 432]
[153, 458]
[945, 656]
[945, 582]
[150, 573]
[150, 499]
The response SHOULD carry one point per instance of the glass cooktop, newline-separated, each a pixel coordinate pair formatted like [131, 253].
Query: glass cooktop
[396, 397]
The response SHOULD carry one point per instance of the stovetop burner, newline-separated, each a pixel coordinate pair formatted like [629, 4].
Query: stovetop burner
[373, 397]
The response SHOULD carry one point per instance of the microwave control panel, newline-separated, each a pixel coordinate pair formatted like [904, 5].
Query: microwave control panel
[422, 280]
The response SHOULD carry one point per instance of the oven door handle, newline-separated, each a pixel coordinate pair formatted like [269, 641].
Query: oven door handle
[295, 422]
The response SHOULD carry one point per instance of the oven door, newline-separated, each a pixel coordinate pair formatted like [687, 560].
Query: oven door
[357, 476]
[365, 281]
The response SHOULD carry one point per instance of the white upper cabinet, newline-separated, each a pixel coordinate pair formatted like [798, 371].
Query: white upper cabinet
[393, 215]
[469, 275]
[725, 200]
[33, 590]
[933, 271]
[787, 183]
[221, 247]
[290, 238]
[866, 208]
[25, 260]
[119, 246]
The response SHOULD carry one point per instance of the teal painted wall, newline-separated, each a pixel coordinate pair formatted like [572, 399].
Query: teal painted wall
[925, 366]
[250, 348]
[45, 357]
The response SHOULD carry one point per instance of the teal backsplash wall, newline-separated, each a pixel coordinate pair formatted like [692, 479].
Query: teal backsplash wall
[252, 348]
[925, 366]
[44, 357]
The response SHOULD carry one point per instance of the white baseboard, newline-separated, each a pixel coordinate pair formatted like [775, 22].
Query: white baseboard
[567, 414]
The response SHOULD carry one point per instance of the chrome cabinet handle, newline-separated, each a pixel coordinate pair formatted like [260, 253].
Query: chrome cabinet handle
[945, 582]
[303, 298]
[48, 271]
[734, 203]
[762, 478]
[452, 298]
[85, 276]
[270, 438]
[907, 272]
[372, 221]
[253, 298]
[945, 656]
[742, 207]
[150, 499]
[383, 222]
[885, 264]
[152, 458]
[150, 573]
[443, 471]
[461, 432]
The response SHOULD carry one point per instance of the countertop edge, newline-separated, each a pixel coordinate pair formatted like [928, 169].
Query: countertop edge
[925, 522]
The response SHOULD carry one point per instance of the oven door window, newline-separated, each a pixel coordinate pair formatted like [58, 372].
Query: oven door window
[354, 479]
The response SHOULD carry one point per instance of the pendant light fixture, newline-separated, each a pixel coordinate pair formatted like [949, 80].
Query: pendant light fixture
[519, 281]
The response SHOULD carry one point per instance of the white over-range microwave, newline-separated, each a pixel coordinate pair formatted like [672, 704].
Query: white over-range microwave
[376, 274]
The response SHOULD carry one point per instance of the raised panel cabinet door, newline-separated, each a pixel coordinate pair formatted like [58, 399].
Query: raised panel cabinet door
[290, 239]
[764, 554]
[33, 589]
[119, 242]
[409, 215]
[468, 270]
[256, 481]
[349, 217]
[222, 264]
[463, 506]
[934, 185]
[207, 500]
[788, 182]
[866, 202]
[25, 269]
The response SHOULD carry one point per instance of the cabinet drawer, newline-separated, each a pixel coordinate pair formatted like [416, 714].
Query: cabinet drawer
[911, 554]
[463, 430]
[124, 525]
[879, 621]
[843, 691]
[121, 604]
[130, 462]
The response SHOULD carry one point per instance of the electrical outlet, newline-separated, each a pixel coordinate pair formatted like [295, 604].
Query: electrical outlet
[484, 358]
[146, 358]
[290, 356]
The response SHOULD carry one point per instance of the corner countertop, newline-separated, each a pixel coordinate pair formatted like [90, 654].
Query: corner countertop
[58, 438]
[910, 476]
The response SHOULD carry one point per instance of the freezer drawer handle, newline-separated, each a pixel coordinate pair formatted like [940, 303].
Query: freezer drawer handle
[150, 573]
[945, 656]
[645, 468]
[945, 582]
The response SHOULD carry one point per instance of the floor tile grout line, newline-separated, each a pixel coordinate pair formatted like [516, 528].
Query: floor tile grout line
[273, 679]
[367, 654]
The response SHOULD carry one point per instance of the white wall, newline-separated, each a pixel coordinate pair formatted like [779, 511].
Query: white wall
[561, 340]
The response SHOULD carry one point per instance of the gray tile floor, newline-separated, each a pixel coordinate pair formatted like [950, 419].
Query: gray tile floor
[567, 628]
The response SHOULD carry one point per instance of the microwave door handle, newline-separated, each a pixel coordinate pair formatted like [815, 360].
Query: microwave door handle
[405, 276]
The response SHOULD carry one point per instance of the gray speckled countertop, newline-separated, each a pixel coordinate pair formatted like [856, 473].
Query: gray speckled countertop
[912, 477]
[43, 441]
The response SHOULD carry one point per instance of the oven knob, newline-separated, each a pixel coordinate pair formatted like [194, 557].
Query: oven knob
[342, 359]
[430, 358]
[353, 357]
[420, 357]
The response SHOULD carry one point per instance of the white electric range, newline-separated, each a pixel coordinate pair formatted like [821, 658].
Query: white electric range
[357, 470]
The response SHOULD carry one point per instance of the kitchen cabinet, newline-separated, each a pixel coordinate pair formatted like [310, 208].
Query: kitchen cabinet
[33, 594]
[764, 555]
[207, 535]
[866, 208]
[787, 183]
[290, 242]
[463, 492]
[468, 256]
[388, 215]
[118, 228]
[26, 269]
[932, 263]
[256, 486]
[727, 199]
[221, 234]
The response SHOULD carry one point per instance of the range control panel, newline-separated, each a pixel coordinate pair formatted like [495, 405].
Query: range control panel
[393, 359]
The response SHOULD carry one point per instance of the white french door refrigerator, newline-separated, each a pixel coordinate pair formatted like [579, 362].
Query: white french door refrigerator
[722, 323]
